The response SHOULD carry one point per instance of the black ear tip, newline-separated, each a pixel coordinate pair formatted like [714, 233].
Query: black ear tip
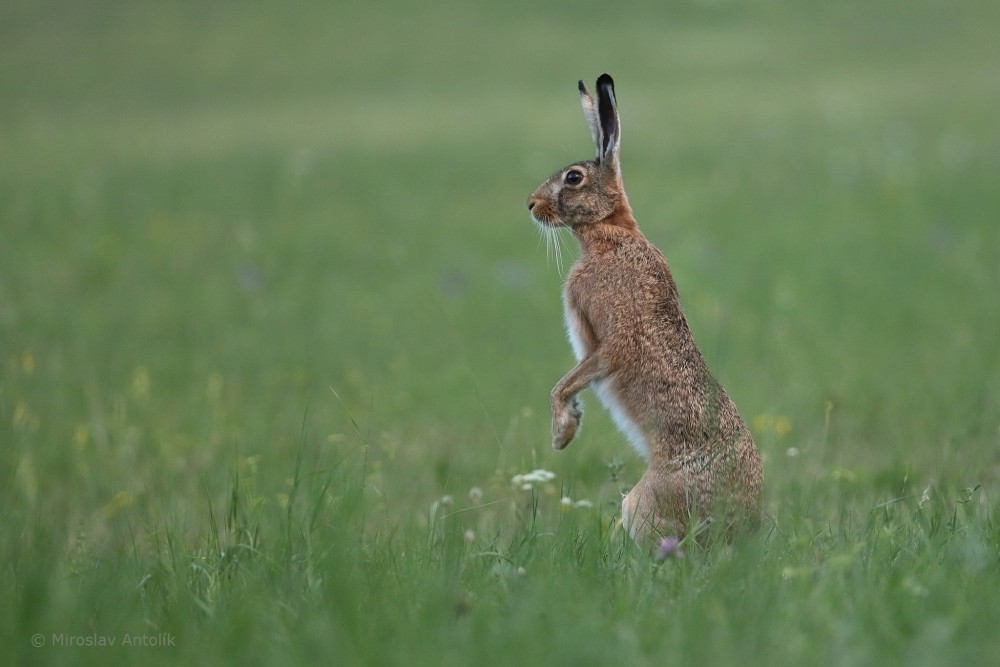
[581, 86]
[605, 80]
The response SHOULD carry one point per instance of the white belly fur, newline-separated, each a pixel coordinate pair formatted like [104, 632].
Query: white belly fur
[625, 423]
[573, 331]
[623, 420]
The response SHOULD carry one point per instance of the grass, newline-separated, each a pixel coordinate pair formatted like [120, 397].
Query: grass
[269, 295]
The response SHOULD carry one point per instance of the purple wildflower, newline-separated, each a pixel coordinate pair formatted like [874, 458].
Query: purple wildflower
[669, 547]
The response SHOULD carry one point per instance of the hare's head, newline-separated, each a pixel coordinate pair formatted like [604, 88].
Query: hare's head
[591, 191]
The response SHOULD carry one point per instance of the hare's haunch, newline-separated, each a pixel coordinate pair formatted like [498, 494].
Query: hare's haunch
[634, 347]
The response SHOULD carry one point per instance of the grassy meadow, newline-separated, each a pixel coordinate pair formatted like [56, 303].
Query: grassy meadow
[276, 331]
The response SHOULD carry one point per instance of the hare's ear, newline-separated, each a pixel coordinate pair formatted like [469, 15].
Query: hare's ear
[610, 128]
[590, 113]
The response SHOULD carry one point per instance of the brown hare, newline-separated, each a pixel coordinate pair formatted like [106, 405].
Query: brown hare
[634, 348]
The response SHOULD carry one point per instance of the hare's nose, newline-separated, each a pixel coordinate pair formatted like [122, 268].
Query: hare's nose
[531, 203]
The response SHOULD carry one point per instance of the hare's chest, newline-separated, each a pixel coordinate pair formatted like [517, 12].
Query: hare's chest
[577, 329]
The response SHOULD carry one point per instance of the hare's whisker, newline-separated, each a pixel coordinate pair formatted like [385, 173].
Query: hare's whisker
[556, 242]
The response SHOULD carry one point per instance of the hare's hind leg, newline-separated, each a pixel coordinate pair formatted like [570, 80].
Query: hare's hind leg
[654, 509]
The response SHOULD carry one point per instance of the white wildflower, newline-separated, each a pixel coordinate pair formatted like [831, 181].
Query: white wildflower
[537, 476]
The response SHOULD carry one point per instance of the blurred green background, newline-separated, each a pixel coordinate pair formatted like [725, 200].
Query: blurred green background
[262, 200]
[213, 213]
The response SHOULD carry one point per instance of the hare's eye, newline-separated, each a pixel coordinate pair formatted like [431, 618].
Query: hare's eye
[573, 177]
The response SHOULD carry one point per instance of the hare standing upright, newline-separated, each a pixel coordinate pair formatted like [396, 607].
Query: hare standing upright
[635, 349]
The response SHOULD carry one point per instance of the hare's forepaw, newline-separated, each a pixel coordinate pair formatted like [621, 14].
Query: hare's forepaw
[565, 422]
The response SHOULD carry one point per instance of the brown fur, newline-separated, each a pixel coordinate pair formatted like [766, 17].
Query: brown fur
[633, 345]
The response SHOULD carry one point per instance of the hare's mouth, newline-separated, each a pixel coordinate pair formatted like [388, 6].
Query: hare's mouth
[544, 220]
